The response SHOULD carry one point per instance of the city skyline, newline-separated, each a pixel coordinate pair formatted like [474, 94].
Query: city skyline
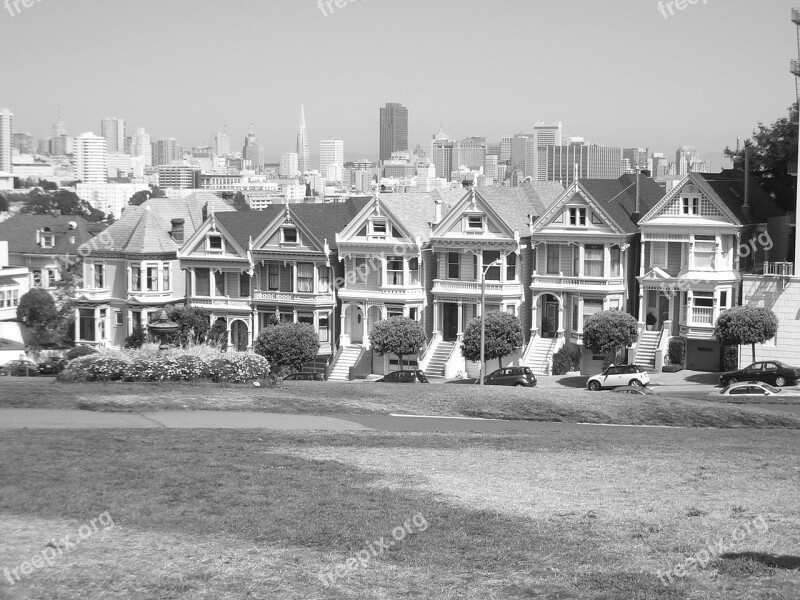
[691, 49]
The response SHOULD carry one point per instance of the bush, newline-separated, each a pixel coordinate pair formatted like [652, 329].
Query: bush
[137, 337]
[565, 361]
[730, 358]
[221, 370]
[143, 369]
[676, 351]
[671, 368]
[105, 368]
[190, 368]
[79, 351]
[78, 369]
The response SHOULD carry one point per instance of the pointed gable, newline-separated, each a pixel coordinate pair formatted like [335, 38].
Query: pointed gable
[691, 200]
[474, 217]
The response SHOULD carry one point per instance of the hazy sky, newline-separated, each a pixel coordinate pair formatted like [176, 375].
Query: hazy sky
[616, 72]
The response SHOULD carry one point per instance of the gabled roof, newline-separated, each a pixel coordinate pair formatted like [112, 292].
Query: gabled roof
[504, 211]
[729, 187]
[415, 211]
[20, 232]
[618, 198]
[244, 225]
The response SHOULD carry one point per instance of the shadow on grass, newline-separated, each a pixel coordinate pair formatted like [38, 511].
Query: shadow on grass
[704, 378]
[748, 561]
[578, 381]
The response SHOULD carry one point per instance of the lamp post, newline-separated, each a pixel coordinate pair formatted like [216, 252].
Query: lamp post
[495, 263]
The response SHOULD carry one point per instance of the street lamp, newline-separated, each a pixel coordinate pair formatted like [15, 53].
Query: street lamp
[495, 263]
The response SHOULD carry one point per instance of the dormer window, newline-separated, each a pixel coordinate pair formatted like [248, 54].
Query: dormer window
[214, 243]
[48, 240]
[475, 222]
[288, 235]
[378, 228]
[577, 217]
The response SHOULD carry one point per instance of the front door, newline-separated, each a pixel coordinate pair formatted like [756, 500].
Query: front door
[550, 319]
[450, 322]
[356, 325]
[663, 310]
[239, 337]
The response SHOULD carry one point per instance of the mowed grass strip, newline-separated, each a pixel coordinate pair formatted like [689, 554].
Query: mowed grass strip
[236, 514]
[333, 398]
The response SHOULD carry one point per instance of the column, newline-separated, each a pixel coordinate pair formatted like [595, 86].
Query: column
[342, 317]
[581, 258]
[579, 326]
[534, 316]
[384, 312]
[560, 332]
[365, 338]
[641, 260]
[607, 260]
[460, 318]
[642, 292]
[689, 307]
[436, 317]
[227, 331]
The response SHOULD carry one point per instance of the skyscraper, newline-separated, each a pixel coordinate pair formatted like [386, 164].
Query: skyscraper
[253, 151]
[303, 161]
[393, 130]
[330, 152]
[289, 165]
[90, 158]
[584, 161]
[141, 146]
[6, 127]
[113, 130]
[547, 134]
[222, 144]
[166, 151]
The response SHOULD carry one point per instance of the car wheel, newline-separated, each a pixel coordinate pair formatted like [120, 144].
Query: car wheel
[594, 386]
[635, 383]
[731, 380]
[780, 381]
[519, 384]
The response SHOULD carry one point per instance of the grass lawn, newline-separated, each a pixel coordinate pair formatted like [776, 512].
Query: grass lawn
[259, 514]
[332, 398]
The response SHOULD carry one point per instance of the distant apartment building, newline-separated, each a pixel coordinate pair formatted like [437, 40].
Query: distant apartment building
[490, 163]
[579, 161]
[505, 149]
[108, 197]
[90, 158]
[179, 176]
[442, 154]
[23, 142]
[253, 151]
[166, 151]
[6, 128]
[330, 151]
[142, 147]
[113, 130]
[393, 129]
[289, 164]
[635, 159]
[222, 144]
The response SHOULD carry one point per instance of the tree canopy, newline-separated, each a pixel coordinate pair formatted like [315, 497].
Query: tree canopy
[397, 335]
[743, 325]
[287, 345]
[39, 202]
[503, 335]
[193, 326]
[610, 331]
[39, 312]
[240, 202]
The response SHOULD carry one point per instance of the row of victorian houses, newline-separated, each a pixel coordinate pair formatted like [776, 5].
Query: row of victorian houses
[551, 256]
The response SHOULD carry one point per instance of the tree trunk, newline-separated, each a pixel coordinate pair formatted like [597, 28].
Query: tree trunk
[400, 358]
[753, 348]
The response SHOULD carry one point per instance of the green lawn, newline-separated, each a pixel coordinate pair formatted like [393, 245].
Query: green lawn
[259, 514]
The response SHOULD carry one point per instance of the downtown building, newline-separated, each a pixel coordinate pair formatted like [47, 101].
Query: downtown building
[113, 130]
[6, 129]
[90, 156]
[567, 163]
[393, 130]
[330, 152]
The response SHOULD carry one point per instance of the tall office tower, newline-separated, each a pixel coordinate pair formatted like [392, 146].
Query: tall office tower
[442, 154]
[469, 152]
[60, 146]
[289, 165]
[490, 166]
[522, 152]
[547, 134]
[166, 151]
[566, 163]
[23, 142]
[126, 148]
[687, 160]
[303, 160]
[393, 130]
[113, 129]
[141, 146]
[330, 152]
[636, 158]
[6, 127]
[59, 127]
[253, 151]
[204, 157]
[505, 149]
[493, 148]
[90, 158]
[222, 144]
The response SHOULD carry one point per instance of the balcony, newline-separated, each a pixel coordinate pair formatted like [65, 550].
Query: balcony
[305, 299]
[587, 284]
[780, 269]
[473, 288]
[94, 293]
[384, 293]
[225, 302]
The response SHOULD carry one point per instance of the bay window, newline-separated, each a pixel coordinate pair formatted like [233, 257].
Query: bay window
[490, 256]
[136, 278]
[553, 259]
[593, 260]
[86, 324]
[616, 261]
[394, 270]
[658, 254]
[152, 279]
[165, 279]
[591, 308]
[305, 277]
[511, 267]
[99, 276]
[413, 271]
[705, 247]
[202, 282]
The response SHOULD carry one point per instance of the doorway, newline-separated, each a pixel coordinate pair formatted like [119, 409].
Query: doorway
[549, 316]
[356, 325]
[240, 338]
[450, 322]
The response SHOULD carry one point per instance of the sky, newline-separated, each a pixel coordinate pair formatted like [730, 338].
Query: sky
[617, 72]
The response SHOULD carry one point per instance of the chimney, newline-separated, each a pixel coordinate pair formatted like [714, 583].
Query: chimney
[177, 230]
[637, 208]
[437, 211]
[746, 205]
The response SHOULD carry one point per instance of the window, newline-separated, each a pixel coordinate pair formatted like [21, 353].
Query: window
[413, 313]
[593, 260]
[361, 270]
[48, 241]
[202, 282]
[289, 235]
[453, 265]
[102, 323]
[691, 205]
[705, 299]
[413, 271]
[99, 276]
[474, 223]
[305, 277]
[219, 283]
[86, 324]
[616, 261]
[511, 309]
[577, 217]
[37, 278]
[553, 259]
[723, 299]
[394, 311]
[394, 270]
[511, 267]
[244, 285]
[274, 279]
[705, 247]
[378, 228]
[118, 318]
[136, 278]
[658, 254]
[591, 308]
[493, 273]
[324, 280]
[215, 243]
[322, 330]
[52, 277]
[165, 277]
[305, 318]
[152, 279]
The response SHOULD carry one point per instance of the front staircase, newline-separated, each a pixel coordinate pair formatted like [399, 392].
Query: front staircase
[646, 349]
[437, 362]
[347, 358]
[538, 357]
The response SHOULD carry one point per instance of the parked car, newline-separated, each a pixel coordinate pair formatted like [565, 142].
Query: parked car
[52, 366]
[768, 371]
[617, 375]
[20, 368]
[304, 377]
[404, 377]
[755, 389]
[634, 390]
[516, 376]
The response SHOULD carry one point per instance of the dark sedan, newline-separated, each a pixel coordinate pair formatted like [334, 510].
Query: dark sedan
[512, 376]
[20, 368]
[404, 377]
[52, 366]
[768, 371]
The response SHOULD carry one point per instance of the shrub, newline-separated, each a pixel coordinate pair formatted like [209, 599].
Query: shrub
[565, 361]
[288, 344]
[730, 358]
[105, 368]
[249, 367]
[143, 369]
[137, 337]
[221, 370]
[676, 351]
[671, 368]
[79, 351]
[78, 369]
[190, 368]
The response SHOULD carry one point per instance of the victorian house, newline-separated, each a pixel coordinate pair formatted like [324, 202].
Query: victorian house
[584, 261]
[696, 242]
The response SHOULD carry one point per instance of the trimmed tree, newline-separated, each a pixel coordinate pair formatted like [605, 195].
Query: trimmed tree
[503, 335]
[742, 325]
[193, 326]
[287, 345]
[398, 335]
[39, 312]
[610, 331]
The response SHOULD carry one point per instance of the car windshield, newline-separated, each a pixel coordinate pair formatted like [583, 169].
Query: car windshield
[766, 386]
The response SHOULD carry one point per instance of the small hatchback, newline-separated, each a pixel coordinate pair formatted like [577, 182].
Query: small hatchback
[513, 376]
[617, 375]
[404, 377]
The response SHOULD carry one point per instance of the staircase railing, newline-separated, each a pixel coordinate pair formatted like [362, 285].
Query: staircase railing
[456, 348]
[363, 365]
[663, 345]
[332, 364]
